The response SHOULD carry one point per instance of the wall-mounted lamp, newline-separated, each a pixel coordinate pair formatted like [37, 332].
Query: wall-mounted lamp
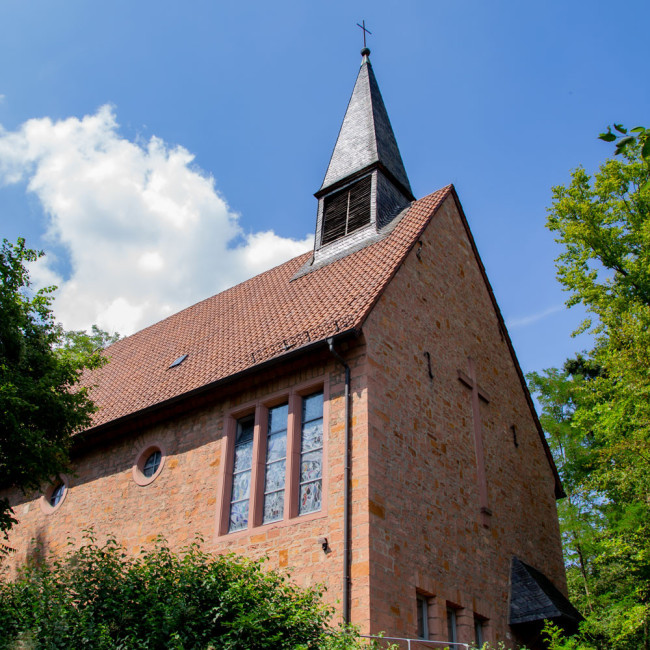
[324, 545]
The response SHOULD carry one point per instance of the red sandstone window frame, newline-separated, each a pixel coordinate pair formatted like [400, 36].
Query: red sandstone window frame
[140, 460]
[260, 408]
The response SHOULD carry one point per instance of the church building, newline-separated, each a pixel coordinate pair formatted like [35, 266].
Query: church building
[356, 414]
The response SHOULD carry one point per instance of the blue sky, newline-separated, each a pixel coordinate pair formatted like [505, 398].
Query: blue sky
[162, 151]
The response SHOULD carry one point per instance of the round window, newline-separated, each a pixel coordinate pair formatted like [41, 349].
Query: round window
[149, 463]
[54, 495]
[57, 494]
[152, 464]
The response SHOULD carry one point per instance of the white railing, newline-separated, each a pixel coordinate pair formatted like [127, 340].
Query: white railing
[447, 644]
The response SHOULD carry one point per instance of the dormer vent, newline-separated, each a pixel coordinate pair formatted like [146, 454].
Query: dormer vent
[346, 210]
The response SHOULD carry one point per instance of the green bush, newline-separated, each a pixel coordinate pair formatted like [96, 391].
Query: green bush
[557, 640]
[98, 597]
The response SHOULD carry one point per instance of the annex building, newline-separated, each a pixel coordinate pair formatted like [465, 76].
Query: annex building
[357, 414]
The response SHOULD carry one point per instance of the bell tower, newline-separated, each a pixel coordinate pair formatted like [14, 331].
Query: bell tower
[365, 186]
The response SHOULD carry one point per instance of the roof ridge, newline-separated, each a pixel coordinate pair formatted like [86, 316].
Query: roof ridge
[369, 72]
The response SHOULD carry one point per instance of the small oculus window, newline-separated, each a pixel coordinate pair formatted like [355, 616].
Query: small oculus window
[57, 494]
[54, 495]
[152, 464]
[148, 465]
[178, 361]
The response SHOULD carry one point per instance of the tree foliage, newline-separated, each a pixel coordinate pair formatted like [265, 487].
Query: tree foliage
[41, 404]
[596, 411]
[98, 597]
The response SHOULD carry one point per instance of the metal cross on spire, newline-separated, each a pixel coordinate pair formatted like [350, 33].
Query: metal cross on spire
[365, 31]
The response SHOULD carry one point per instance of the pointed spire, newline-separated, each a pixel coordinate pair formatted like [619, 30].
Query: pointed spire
[366, 137]
[366, 187]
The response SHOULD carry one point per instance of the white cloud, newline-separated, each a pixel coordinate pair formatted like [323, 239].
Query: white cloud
[147, 233]
[524, 321]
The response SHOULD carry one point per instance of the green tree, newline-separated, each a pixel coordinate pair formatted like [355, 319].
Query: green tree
[596, 411]
[41, 403]
[98, 597]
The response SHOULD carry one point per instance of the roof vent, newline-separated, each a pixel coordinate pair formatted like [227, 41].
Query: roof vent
[177, 362]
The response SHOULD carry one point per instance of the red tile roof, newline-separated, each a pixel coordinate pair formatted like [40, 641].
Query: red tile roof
[252, 322]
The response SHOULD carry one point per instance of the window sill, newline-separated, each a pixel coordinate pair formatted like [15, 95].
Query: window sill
[263, 528]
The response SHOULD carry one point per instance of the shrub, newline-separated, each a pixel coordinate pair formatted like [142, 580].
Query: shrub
[98, 597]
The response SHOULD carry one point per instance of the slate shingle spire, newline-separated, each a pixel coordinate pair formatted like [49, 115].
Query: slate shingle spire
[366, 137]
[366, 185]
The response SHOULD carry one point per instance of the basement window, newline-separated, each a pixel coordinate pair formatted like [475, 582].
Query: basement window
[423, 617]
[452, 622]
[479, 630]
[346, 211]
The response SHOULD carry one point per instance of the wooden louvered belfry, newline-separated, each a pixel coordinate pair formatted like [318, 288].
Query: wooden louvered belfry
[346, 210]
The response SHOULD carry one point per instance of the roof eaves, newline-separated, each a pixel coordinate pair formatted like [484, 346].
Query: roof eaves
[86, 436]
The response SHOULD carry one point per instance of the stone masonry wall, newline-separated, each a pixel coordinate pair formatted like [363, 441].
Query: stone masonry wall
[183, 500]
[416, 524]
[427, 534]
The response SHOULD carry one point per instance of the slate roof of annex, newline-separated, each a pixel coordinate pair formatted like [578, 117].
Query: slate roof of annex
[252, 322]
[534, 598]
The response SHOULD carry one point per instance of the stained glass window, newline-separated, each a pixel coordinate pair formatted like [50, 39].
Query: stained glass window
[311, 454]
[241, 475]
[276, 463]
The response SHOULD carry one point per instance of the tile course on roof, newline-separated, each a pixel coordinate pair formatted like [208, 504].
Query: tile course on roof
[252, 322]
